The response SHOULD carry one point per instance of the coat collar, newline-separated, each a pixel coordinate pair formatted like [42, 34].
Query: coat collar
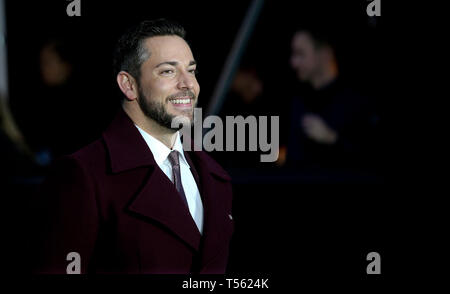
[126, 147]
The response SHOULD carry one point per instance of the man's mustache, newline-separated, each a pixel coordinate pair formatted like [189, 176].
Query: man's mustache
[187, 93]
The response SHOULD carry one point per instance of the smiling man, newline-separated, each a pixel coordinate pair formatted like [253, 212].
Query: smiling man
[134, 201]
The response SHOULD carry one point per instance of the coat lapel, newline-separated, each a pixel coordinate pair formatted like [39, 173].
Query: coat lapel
[159, 200]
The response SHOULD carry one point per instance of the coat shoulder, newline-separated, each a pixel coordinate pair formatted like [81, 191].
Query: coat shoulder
[92, 156]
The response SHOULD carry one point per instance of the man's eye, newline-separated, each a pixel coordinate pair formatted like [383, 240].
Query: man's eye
[168, 71]
[193, 71]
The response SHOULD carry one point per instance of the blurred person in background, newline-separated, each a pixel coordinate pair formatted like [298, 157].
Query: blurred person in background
[245, 98]
[16, 158]
[331, 126]
[60, 99]
[19, 174]
[55, 117]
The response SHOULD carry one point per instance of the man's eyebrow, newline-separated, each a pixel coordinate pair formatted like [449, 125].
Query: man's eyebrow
[174, 63]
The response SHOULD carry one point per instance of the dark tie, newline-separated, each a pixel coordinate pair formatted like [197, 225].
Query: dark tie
[175, 162]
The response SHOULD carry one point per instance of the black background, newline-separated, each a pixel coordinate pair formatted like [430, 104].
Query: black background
[294, 232]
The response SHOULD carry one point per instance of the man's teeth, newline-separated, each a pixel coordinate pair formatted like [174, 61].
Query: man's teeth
[181, 101]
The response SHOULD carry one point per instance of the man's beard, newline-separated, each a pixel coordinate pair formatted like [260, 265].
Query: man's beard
[156, 111]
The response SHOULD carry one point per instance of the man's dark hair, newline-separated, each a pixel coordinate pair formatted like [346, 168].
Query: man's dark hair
[130, 52]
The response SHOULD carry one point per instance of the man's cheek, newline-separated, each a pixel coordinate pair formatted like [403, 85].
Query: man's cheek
[197, 92]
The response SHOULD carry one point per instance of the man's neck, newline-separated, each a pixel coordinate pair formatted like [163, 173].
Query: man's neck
[164, 135]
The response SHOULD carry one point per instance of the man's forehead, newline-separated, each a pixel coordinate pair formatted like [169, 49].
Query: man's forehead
[168, 47]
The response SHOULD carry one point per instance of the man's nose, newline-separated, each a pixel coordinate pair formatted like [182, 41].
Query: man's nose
[186, 81]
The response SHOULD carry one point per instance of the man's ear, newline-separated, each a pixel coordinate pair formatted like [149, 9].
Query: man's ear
[127, 85]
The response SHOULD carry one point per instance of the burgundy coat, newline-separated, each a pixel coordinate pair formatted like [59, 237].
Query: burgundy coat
[112, 204]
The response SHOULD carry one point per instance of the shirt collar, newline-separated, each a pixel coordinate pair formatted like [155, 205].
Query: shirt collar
[161, 151]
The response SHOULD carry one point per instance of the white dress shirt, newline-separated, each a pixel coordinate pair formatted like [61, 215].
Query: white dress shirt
[160, 154]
